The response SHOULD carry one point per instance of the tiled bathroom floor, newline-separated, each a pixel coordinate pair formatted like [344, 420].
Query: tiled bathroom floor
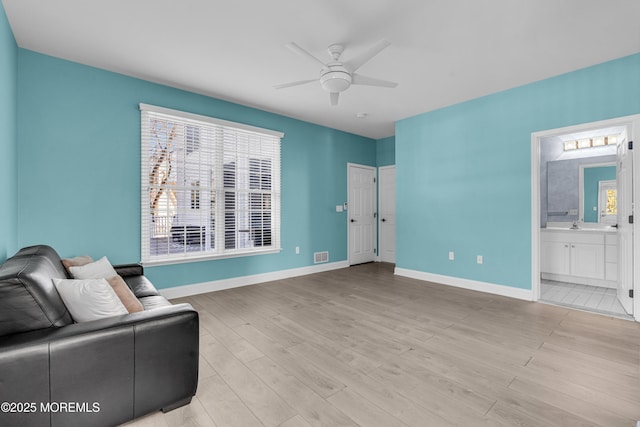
[583, 297]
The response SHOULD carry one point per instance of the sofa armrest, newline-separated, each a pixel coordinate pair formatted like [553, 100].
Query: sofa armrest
[127, 270]
[133, 275]
[129, 365]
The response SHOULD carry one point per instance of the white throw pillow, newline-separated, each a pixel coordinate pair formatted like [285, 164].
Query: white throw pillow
[100, 269]
[89, 299]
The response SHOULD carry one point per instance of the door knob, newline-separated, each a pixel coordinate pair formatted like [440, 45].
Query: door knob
[353, 220]
[384, 220]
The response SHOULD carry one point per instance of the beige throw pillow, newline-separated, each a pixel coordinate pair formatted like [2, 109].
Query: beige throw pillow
[76, 262]
[123, 292]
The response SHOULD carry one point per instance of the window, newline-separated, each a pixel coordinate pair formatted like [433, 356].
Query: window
[210, 188]
[195, 195]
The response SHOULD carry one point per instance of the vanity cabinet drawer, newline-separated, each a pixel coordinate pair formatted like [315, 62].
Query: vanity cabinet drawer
[593, 238]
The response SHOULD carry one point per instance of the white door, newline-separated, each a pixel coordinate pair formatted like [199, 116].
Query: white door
[607, 190]
[361, 213]
[387, 213]
[624, 174]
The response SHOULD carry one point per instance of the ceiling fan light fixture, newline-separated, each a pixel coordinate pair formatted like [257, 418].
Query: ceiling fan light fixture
[335, 79]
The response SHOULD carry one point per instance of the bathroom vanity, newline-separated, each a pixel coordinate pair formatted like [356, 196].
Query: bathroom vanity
[585, 256]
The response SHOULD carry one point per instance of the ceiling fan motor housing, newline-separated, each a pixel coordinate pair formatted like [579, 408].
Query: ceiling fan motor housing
[335, 78]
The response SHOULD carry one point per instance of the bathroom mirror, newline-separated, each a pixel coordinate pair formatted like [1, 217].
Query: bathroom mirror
[569, 196]
[598, 202]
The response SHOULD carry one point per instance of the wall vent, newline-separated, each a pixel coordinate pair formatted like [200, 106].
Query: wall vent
[319, 257]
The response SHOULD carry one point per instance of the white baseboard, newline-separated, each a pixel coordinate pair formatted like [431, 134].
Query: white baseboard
[507, 291]
[236, 282]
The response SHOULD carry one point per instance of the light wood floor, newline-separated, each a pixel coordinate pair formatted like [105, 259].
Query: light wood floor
[360, 346]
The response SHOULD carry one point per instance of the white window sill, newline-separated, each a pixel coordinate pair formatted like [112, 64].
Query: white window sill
[207, 257]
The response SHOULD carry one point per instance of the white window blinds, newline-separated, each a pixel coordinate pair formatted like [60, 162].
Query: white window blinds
[210, 188]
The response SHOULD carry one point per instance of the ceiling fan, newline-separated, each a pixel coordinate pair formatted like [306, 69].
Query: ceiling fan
[336, 76]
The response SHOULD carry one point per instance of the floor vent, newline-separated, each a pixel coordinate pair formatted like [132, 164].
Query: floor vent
[319, 257]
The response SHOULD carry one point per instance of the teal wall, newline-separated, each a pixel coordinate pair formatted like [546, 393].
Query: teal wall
[592, 178]
[8, 138]
[472, 194]
[386, 151]
[79, 170]
[70, 162]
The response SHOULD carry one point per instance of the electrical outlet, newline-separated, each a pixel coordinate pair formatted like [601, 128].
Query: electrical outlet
[451, 256]
[479, 259]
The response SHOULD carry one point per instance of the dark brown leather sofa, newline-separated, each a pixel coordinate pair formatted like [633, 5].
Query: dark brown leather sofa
[54, 372]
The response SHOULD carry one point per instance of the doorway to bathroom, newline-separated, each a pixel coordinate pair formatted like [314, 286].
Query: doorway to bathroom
[583, 240]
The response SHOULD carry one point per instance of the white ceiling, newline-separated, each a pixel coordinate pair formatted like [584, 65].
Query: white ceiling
[442, 51]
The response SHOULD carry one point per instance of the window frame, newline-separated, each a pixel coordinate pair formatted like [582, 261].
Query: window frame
[216, 213]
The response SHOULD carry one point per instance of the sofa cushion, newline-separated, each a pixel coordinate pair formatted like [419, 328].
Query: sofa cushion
[89, 299]
[141, 286]
[124, 293]
[156, 301]
[28, 298]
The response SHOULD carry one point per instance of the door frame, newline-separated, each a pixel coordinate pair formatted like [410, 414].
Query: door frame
[375, 208]
[633, 127]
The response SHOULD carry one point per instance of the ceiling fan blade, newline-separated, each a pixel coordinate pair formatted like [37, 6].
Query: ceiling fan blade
[364, 57]
[300, 51]
[358, 79]
[334, 98]
[301, 82]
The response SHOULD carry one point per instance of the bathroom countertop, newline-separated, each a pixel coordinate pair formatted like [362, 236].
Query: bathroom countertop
[582, 229]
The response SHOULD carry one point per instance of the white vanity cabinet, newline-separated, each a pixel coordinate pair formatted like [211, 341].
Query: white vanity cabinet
[587, 259]
[578, 256]
[611, 257]
[555, 257]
